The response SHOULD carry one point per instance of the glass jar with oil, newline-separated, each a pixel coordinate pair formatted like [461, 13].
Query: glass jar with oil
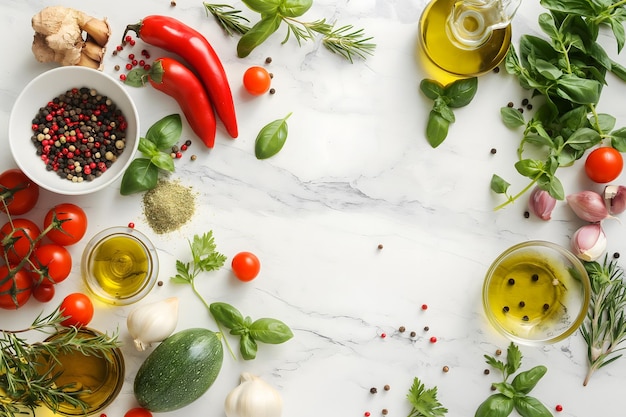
[120, 265]
[464, 38]
[536, 292]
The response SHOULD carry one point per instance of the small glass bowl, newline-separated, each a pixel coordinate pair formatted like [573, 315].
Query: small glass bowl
[536, 293]
[101, 377]
[120, 265]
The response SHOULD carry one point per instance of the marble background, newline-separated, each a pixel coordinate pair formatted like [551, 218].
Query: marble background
[356, 172]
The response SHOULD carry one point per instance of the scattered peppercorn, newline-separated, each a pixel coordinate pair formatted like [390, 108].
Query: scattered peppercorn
[520, 109]
[424, 307]
[510, 104]
[188, 142]
[505, 309]
[496, 70]
[426, 328]
[559, 408]
[529, 107]
[486, 372]
[445, 368]
[524, 102]
[526, 214]
[117, 68]
[131, 225]
[160, 283]
[498, 352]
[546, 306]
[380, 246]
[413, 334]
[175, 148]
[433, 339]
[525, 318]
[271, 74]
[173, 3]
[402, 329]
[383, 335]
[268, 60]
[272, 90]
[535, 277]
[522, 304]
[493, 387]
[511, 281]
[373, 390]
[386, 387]
[367, 414]
[493, 151]
[616, 255]
[385, 411]
[193, 157]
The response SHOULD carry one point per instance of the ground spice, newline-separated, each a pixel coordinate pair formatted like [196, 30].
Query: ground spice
[168, 206]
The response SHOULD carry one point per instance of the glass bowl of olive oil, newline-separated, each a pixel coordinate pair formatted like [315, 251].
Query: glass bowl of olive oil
[536, 293]
[120, 265]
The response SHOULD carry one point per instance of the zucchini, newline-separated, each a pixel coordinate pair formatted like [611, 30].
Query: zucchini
[179, 371]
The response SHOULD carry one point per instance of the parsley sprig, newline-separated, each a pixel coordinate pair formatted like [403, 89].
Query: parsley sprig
[424, 401]
[604, 329]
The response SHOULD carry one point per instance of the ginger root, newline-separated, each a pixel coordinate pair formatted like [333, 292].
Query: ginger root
[69, 37]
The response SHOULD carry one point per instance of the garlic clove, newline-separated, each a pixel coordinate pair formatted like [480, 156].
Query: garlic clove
[589, 242]
[615, 198]
[253, 397]
[588, 206]
[153, 322]
[541, 203]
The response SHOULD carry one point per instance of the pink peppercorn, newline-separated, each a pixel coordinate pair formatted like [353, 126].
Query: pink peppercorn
[383, 335]
[367, 414]
[131, 225]
[424, 307]
[559, 408]
[433, 339]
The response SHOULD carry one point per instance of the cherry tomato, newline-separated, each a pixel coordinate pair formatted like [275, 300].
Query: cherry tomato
[246, 266]
[256, 80]
[55, 260]
[74, 224]
[78, 310]
[23, 233]
[138, 412]
[14, 292]
[25, 194]
[44, 292]
[604, 164]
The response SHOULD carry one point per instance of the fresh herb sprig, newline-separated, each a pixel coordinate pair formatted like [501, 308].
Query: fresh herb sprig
[604, 329]
[446, 98]
[345, 41]
[568, 71]
[206, 258]
[23, 386]
[424, 401]
[513, 395]
[143, 173]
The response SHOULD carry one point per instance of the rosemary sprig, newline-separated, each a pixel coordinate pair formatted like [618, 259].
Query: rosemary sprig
[228, 17]
[24, 385]
[604, 328]
[348, 42]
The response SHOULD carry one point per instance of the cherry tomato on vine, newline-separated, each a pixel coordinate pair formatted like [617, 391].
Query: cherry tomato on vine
[604, 164]
[15, 291]
[23, 233]
[55, 260]
[78, 310]
[138, 412]
[256, 80]
[246, 266]
[24, 195]
[74, 224]
[43, 292]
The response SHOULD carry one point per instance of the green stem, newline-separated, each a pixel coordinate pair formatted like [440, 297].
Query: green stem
[195, 290]
[516, 196]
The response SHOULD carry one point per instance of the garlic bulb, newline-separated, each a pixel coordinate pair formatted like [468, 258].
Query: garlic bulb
[152, 323]
[589, 242]
[253, 397]
[541, 203]
[588, 206]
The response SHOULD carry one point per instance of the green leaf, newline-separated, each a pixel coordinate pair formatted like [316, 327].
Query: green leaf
[247, 347]
[141, 175]
[513, 358]
[163, 161]
[205, 255]
[461, 92]
[270, 331]
[512, 118]
[294, 8]
[530, 407]
[444, 111]
[583, 138]
[546, 23]
[424, 401]
[505, 388]
[530, 167]
[496, 405]
[258, 34]
[436, 128]
[499, 186]
[552, 185]
[618, 139]
[525, 381]
[271, 138]
[226, 315]
[147, 148]
[578, 90]
[618, 31]
[432, 89]
[264, 7]
[183, 273]
[547, 70]
[138, 77]
[579, 7]
[165, 132]
[606, 122]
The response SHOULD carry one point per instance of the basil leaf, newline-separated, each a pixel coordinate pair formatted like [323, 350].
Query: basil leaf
[163, 161]
[263, 7]
[578, 90]
[247, 347]
[431, 88]
[270, 331]
[584, 138]
[294, 8]
[141, 175]
[271, 138]
[226, 315]
[496, 405]
[499, 186]
[618, 139]
[436, 129]
[258, 34]
[529, 168]
[606, 122]
[618, 70]
[165, 132]
[552, 185]
[579, 7]
[546, 23]
[525, 381]
[512, 118]
[461, 92]
[547, 70]
[505, 388]
[147, 148]
[444, 111]
[530, 407]
[618, 31]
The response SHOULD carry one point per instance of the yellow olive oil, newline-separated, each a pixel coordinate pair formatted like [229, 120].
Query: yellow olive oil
[121, 265]
[443, 58]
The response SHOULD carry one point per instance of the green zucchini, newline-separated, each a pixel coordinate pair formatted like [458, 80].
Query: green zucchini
[179, 371]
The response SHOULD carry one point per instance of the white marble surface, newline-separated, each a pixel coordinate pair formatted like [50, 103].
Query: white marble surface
[356, 172]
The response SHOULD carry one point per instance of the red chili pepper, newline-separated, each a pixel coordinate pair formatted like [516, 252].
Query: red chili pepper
[177, 81]
[175, 36]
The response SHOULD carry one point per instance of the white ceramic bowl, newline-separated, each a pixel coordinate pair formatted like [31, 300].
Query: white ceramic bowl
[36, 95]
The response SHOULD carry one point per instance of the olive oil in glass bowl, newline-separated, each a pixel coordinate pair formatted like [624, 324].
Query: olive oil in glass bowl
[120, 265]
[536, 292]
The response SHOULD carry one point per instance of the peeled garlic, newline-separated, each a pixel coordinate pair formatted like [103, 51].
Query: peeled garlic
[541, 203]
[589, 242]
[253, 397]
[152, 323]
[588, 205]
[615, 197]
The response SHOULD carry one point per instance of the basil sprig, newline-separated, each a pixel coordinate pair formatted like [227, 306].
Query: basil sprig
[264, 330]
[513, 395]
[143, 173]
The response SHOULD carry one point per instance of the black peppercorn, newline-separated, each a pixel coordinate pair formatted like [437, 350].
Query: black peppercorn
[413, 334]
[535, 277]
[426, 328]
[511, 281]
[526, 214]
[522, 304]
[402, 329]
[493, 151]
[373, 390]
[486, 372]
[525, 318]
[505, 309]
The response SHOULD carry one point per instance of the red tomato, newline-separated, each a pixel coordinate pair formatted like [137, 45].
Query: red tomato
[256, 80]
[15, 291]
[604, 164]
[55, 260]
[246, 266]
[22, 233]
[24, 195]
[44, 292]
[138, 412]
[77, 309]
[74, 224]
